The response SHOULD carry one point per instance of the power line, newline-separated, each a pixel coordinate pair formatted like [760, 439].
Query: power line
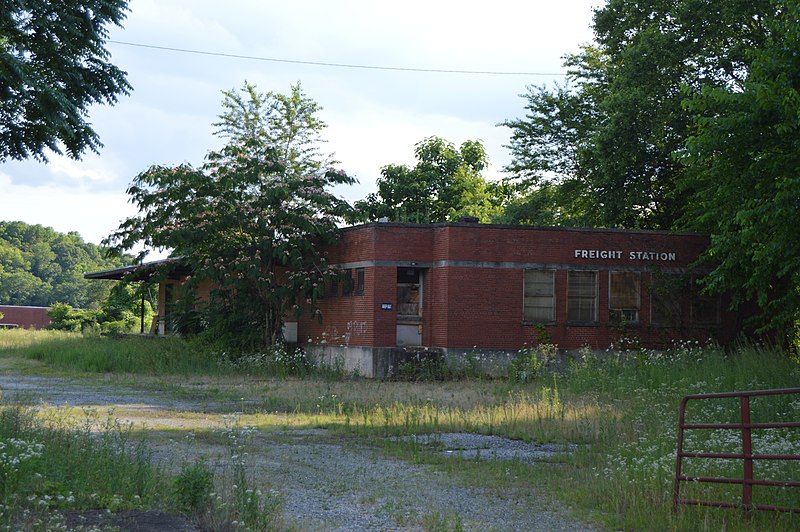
[336, 65]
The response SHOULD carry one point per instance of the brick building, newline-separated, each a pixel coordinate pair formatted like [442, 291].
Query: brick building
[24, 317]
[492, 289]
[460, 288]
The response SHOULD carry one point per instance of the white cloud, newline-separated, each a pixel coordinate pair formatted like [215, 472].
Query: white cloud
[64, 208]
[374, 117]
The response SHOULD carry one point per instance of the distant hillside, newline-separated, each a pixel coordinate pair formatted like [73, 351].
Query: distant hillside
[40, 266]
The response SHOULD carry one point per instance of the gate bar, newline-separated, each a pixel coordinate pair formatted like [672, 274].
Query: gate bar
[746, 426]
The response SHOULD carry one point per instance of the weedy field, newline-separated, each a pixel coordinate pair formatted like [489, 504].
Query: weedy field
[617, 410]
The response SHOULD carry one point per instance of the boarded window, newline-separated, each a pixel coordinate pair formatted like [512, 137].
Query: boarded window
[538, 295]
[624, 296]
[582, 296]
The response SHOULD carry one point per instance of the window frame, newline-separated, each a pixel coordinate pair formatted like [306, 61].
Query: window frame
[713, 300]
[347, 283]
[674, 287]
[525, 297]
[572, 297]
[332, 290]
[360, 282]
[619, 314]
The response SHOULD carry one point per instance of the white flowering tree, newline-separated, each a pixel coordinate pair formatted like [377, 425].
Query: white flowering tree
[251, 220]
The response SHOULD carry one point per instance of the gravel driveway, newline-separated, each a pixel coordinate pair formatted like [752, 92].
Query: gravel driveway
[330, 484]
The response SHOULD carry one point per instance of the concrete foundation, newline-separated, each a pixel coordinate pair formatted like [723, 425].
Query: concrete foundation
[382, 362]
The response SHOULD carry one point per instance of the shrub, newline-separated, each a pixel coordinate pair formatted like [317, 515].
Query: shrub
[193, 488]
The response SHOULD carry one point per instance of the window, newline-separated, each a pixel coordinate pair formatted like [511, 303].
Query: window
[624, 289]
[409, 301]
[538, 295]
[667, 293]
[705, 308]
[582, 296]
[333, 288]
[347, 284]
[359, 291]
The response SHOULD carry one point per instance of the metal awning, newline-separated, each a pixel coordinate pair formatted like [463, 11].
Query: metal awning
[174, 267]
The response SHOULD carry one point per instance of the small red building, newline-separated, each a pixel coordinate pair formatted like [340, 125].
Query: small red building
[24, 317]
[492, 289]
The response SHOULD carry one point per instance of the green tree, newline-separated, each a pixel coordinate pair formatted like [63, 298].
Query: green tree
[65, 318]
[287, 124]
[445, 184]
[122, 310]
[611, 135]
[250, 221]
[53, 67]
[39, 266]
[744, 161]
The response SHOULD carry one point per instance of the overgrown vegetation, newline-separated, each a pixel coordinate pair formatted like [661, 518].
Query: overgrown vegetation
[60, 461]
[92, 353]
[121, 312]
[620, 408]
[54, 464]
[679, 115]
[40, 266]
[251, 221]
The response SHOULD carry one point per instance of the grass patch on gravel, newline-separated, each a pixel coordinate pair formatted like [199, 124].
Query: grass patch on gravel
[50, 464]
[621, 408]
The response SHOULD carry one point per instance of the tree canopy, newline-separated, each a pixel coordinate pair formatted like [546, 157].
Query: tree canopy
[610, 136]
[445, 184]
[53, 67]
[744, 175]
[40, 267]
[681, 114]
[251, 220]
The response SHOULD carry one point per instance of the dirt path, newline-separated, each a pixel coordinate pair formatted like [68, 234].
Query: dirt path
[325, 482]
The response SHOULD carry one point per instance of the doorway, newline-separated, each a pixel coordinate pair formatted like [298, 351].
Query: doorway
[409, 306]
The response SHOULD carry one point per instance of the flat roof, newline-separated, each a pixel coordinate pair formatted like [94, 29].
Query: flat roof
[141, 272]
[523, 227]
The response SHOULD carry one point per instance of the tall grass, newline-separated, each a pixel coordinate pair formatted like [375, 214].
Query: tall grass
[53, 465]
[102, 354]
[108, 354]
[622, 406]
[630, 476]
[93, 353]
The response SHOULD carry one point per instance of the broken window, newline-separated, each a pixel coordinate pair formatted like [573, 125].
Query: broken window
[624, 296]
[333, 288]
[347, 285]
[705, 307]
[408, 292]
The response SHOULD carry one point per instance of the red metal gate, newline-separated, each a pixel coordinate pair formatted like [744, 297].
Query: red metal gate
[746, 426]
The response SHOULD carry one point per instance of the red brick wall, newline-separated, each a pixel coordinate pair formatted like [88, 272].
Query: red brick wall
[557, 246]
[476, 297]
[25, 317]
[346, 319]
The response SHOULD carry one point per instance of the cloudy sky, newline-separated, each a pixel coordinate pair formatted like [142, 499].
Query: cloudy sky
[374, 116]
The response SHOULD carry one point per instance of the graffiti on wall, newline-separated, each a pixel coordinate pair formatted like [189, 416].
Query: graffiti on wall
[353, 329]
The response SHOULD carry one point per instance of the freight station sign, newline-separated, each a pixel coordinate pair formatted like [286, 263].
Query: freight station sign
[630, 255]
